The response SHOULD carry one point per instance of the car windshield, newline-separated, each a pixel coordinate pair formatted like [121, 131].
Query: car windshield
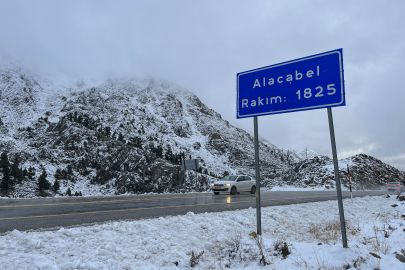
[394, 183]
[230, 177]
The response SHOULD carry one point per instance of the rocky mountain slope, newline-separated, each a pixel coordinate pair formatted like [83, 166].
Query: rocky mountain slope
[123, 136]
[366, 172]
[129, 135]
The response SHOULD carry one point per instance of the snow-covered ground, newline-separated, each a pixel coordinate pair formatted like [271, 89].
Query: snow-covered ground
[375, 231]
[315, 188]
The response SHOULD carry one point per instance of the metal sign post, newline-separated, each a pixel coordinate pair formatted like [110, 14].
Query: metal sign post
[190, 164]
[258, 206]
[337, 178]
[350, 182]
[196, 167]
[307, 83]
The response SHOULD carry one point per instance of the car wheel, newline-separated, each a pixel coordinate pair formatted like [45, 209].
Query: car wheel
[253, 190]
[216, 193]
[233, 190]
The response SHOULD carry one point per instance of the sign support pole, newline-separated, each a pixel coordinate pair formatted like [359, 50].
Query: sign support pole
[184, 171]
[196, 176]
[350, 182]
[337, 178]
[258, 206]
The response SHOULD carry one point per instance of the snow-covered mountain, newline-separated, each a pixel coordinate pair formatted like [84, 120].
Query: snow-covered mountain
[125, 135]
[306, 153]
[366, 172]
[122, 136]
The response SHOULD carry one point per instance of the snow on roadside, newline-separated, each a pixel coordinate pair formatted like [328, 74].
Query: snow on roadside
[316, 188]
[168, 242]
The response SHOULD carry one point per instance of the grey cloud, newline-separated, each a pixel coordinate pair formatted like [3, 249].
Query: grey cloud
[202, 45]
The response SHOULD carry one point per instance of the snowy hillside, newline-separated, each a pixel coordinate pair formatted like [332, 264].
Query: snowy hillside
[366, 173]
[125, 135]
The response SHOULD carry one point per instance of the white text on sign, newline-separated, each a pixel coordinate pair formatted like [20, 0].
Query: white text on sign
[289, 78]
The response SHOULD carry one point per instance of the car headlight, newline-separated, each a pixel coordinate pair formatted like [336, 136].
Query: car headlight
[212, 184]
[227, 185]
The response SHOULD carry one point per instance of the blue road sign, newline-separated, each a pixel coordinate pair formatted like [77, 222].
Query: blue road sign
[307, 83]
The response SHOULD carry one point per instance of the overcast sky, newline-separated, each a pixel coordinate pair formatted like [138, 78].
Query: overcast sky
[201, 45]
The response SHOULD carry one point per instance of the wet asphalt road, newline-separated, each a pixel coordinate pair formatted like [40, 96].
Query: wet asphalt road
[52, 213]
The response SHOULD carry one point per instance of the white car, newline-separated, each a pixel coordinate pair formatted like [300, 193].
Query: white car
[395, 187]
[233, 184]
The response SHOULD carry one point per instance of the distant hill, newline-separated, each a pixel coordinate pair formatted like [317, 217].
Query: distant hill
[366, 172]
[306, 153]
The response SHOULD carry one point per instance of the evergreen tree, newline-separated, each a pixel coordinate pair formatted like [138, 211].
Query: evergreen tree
[31, 172]
[1, 122]
[226, 173]
[159, 151]
[16, 171]
[43, 183]
[80, 118]
[69, 170]
[107, 131]
[20, 175]
[169, 153]
[14, 167]
[56, 185]
[64, 174]
[6, 183]
[86, 121]
[58, 174]
[137, 142]
[69, 192]
[120, 137]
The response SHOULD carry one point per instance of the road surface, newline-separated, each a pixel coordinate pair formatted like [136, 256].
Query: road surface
[53, 213]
